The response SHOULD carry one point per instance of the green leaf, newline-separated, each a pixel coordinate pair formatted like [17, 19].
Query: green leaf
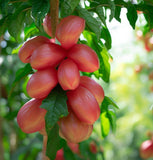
[100, 12]
[132, 15]
[3, 24]
[16, 20]
[108, 116]
[39, 10]
[16, 50]
[104, 65]
[105, 34]
[112, 8]
[105, 124]
[68, 7]
[92, 23]
[30, 31]
[112, 119]
[108, 102]
[16, 24]
[53, 142]
[117, 13]
[20, 74]
[11, 115]
[149, 15]
[56, 106]
[4, 7]
[104, 70]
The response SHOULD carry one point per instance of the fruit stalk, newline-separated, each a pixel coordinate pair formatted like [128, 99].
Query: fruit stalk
[54, 9]
[44, 157]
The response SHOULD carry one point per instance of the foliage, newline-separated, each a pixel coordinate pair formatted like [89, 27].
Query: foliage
[22, 19]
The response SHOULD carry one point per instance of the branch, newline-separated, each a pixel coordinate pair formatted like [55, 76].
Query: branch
[54, 10]
[44, 157]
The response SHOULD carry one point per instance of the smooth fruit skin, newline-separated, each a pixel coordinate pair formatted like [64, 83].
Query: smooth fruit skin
[84, 105]
[30, 117]
[69, 29]
[42, 82]
[85, 58]
[68, 75]
[146, 149]
[47, 25]
[47, 55]
[93, 147]
[60, 154]
[73, 130]
[29, 46]
[93, 87]
[74, 147]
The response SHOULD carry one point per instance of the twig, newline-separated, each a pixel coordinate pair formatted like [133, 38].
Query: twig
[54, 11]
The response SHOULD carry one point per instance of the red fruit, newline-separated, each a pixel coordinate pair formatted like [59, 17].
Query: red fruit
[68, 75]
[146, 149]
[93, 147]
[85, 58]
[47, 55]
[30, 117]
[93, 87]
[28, 47]
[69, 29]
[73, 130]
[139, 12]
[138, 68]
[151, 88]
[74, 147]
[60, 155]
[148, 42]
[84, 105]
[42, 82]
[151, 75]
[47, 25]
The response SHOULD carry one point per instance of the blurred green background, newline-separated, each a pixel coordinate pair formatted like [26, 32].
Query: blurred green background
[130, 86]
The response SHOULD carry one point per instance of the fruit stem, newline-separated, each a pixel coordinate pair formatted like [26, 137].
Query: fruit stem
[44, 157]
[54, 11]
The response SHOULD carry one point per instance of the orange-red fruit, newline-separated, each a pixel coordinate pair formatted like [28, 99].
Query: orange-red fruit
[30, 117]
[146, 149]
[74, 147]
[69, 29]
[73, 130]
[68, 75]
[47, 55]
[28, 47]
[85, 58]
[60, 155]
[93, 87]
[47, 25]
[84, 105]
[42, 82]
[93, 147]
